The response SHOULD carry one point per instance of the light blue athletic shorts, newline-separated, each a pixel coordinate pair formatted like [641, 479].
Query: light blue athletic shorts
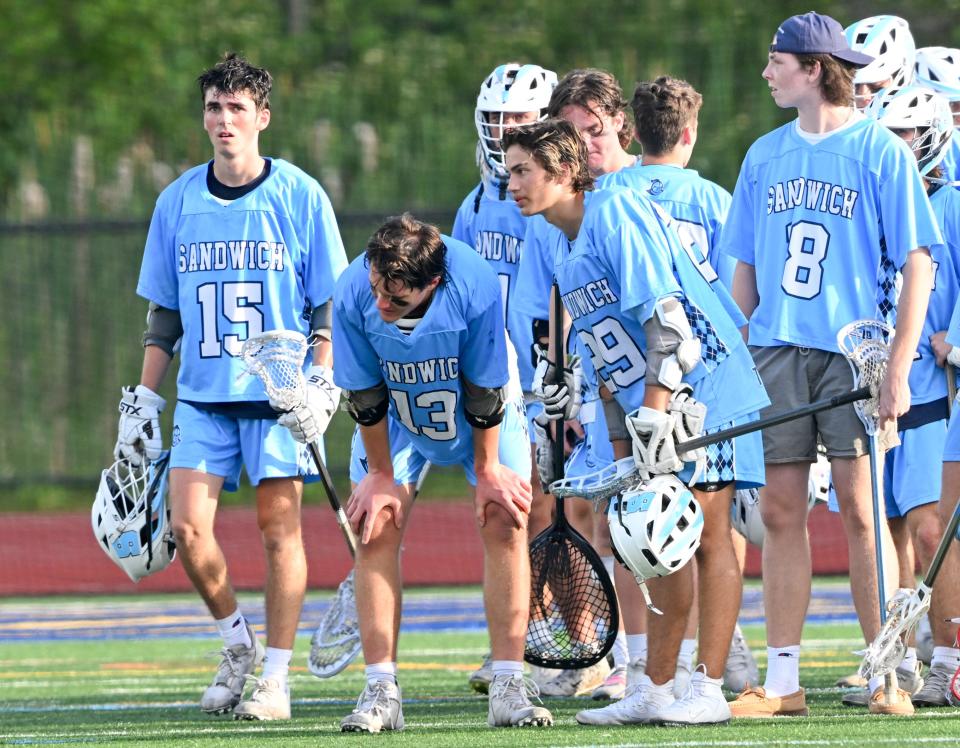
[222, 445]
[912, 472]
[534, 408]
[739, 459]
[951, 448]
[408, 463]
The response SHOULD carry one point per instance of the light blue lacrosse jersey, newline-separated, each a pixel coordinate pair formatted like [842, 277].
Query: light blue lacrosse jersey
[951, 160]
[462, 333]
[262, 262]
[490, 221]
[697, 205]
[928, 381]
[827, 227]
[626, 257]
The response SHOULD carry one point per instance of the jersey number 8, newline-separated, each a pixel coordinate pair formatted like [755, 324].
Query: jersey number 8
[806, 251]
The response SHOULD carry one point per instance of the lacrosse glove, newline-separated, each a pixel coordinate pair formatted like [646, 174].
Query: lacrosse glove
[138, 434]
[309, 420]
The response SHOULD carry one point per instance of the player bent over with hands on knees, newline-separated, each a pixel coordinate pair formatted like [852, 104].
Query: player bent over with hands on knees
[826, 211]
[664, 346]
[236, 246]
[422, 359]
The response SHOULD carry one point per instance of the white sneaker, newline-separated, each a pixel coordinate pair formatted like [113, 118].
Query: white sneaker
[509, 703]
[614, 687]
[639, 706]
[681, 677]
[236, 663]
[577, 682]
[481, 677]
[269, 700]
[378, 708]
[635, 671]
[703, 704]
[741, 668]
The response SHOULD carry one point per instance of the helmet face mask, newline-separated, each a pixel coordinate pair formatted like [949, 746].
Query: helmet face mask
[508, 93]
[919, 115]
[131, 518]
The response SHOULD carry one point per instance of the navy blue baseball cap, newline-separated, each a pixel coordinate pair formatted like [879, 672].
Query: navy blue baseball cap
[815, 34]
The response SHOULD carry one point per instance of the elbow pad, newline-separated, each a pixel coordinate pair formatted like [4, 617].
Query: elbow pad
[367, 407]
[321, 320]
[672, 348]
[483, 406]
[164, 328]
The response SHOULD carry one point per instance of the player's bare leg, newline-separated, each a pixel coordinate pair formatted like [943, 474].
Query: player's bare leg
[851, 479]
[541, 507]
[906, 557]
[720, 584]
[193, 505]
[378, 585]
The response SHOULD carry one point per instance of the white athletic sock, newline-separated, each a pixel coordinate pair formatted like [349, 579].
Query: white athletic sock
[637, 647]
[506, 667]
[620, 656]
[909, 660]
[233, 630]
[662, 693]
[783, 670]
[380, 671]
[945, 656]
[685, 658]
[276, 664]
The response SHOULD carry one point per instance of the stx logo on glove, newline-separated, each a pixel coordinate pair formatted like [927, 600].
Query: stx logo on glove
[130, 409]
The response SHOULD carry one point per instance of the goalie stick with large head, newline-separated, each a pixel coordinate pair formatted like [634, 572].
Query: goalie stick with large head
[573, 607]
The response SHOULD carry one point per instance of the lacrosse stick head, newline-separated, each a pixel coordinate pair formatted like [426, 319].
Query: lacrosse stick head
[336, 642]
[600, 485]
[904, 612]
[866, 346]
[276, 358]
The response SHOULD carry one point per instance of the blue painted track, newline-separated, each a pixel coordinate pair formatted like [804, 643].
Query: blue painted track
[53, 619]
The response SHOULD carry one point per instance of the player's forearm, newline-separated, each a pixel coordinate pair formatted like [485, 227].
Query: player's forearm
[323, 353]
[911, 310]
[744, 290]
[376, 442]
[156, 361]
[486, 448]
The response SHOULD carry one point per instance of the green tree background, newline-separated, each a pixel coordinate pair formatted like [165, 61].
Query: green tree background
[373, 97]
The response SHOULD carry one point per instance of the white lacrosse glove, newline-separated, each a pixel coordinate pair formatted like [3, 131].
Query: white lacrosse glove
[545, 466]
[559, 400]
[138, 435]
[654, 444]
[309, 420]
[689, 416]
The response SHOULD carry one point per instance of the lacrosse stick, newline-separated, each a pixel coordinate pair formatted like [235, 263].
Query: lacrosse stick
[276, 358]
[336, 642]
[951, 386]
[866, 346]
[573, 608]
[905, 612]
[609, 481]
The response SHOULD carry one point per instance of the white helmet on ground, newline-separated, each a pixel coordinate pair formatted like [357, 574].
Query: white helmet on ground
[131, 519]
[921, 110]
[509, 88]
[818, 487]
[888, 40]
[655, 527]
[939, 68]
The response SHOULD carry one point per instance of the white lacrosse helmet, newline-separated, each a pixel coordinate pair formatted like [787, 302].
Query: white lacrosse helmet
[745, 515]
[888, 40]
[655, 527]
[939, 68]
[921, 109]
[818, 486]
[131, 519]
[509, 88]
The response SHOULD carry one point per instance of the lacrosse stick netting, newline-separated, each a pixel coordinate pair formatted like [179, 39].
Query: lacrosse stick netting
[336, 642]
[276, 359]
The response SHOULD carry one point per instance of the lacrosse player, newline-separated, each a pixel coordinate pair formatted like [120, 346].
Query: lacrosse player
[665, 115]
[826, 210]
[665, 348]
[421, 353]
[489, 221]
[939, 68]
[886, 39]
[592, 100]
[238, 245]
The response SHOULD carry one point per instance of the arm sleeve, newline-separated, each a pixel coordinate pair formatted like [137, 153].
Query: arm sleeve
[484, 356]
[737, 237]
[357, 365]
[325, 257]
[158, 271]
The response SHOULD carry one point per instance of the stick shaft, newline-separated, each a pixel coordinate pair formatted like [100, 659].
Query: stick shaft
[863, 393]
[332, 498]
[559, 427]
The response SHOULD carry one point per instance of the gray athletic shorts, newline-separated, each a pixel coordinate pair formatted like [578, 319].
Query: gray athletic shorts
[795, 377]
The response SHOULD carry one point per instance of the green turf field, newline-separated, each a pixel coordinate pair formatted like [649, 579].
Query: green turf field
[145, 692]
